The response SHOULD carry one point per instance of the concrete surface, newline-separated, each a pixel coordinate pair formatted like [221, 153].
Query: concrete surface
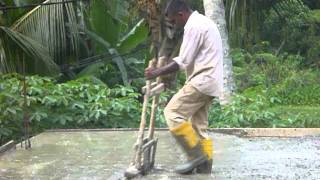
[106, 154]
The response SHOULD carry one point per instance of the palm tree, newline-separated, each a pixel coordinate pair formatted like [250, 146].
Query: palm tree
[41, 37]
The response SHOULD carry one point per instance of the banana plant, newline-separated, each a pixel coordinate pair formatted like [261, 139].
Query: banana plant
[108, 28]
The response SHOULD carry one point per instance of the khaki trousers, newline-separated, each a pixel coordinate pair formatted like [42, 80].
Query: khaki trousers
[189, 105]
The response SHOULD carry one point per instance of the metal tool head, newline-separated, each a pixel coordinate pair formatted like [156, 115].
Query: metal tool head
[147, 159]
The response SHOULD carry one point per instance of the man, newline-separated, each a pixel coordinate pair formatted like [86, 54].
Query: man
[201, 56]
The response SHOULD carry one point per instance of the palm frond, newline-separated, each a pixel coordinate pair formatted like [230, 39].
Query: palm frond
[15, 46]
[52, 27]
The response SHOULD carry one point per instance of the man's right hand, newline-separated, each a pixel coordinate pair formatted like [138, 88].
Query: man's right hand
[151, 73]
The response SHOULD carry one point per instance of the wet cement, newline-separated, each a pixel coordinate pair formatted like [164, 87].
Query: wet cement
[105, 155]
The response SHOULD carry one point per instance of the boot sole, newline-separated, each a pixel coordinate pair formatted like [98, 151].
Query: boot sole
[205, 168]
[195, 163]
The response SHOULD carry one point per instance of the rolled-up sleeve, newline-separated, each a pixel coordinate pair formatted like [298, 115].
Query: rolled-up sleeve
[192, 41]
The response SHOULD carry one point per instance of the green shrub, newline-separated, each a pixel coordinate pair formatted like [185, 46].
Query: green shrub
[259, 111]
[300, 88]
[265, 69]
[82, 103]
[298, 116]
[265, 81]
[243, 112]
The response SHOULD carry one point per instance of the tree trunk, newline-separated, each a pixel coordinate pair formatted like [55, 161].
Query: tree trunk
[214, 9]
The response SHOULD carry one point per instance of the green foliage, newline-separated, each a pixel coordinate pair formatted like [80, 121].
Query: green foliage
[137, 35]
[59, 42]
[281, 76]
[299, 116]
[297, 27]
[8, 17]
[110, 35]
[313, 4]
[244, 112]
[275, 88]
[300, 88]
[44, 33]
[112, 24]
[14, 44]
[256, 110]
[270, 91]
[262, 68]
[85, 103]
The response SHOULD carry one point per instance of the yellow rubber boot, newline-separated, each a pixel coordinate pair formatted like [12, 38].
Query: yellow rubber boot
[190, 143]
[207, 148]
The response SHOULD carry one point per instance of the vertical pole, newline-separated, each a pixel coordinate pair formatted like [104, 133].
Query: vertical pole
[142, 123]
[27, 142]
[155, 102]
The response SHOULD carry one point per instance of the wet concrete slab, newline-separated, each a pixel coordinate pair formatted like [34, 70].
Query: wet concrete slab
[106, 154]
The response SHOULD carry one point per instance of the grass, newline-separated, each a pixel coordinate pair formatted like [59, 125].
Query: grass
[299, 116]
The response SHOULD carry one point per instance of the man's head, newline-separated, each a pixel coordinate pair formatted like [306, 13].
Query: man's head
[178, 12]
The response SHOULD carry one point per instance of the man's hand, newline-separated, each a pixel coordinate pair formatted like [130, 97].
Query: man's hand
[151, 73]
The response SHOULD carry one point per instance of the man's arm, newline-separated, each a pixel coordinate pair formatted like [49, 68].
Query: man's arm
[192, 41]
[151, 73]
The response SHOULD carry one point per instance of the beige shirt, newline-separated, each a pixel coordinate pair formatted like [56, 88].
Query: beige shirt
[201, 55]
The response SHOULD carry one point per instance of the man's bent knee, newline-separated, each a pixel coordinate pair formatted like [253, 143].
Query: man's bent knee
[168, 116]
[173, 118]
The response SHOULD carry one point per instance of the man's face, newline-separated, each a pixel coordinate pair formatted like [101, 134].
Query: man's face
[177, 20]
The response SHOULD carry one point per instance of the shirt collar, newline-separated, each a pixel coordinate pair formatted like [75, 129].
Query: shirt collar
[192, 16]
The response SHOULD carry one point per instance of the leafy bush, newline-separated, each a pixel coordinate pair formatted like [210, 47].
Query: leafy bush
[265, 83]
[298, 116]
[82, 103]
[243, 112]
[261, 68]
[300, 88]
[262, 112]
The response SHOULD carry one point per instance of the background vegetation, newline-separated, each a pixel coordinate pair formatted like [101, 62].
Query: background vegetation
[84, 71]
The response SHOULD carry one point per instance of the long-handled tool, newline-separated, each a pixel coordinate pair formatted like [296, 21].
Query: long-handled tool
[145, 148]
